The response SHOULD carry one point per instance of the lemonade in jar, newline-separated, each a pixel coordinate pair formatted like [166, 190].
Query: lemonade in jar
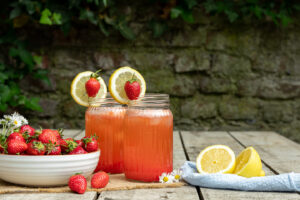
[148, 138]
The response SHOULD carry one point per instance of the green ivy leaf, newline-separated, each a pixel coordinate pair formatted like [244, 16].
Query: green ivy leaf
[37, 59]
[27, 58]
[15, 13]
[126, 31]
[88, 15]
[175, 12]
[45, 17]
[190, 3]
[3, 77]
[232, 16]
[103, 29]
[56, 17]
[104, 3]
[4, 93]
[33, 104]
[158, 28]
[187, 16]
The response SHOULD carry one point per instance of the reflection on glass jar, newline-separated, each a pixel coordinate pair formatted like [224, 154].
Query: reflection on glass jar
[148, 138]
[106, 121]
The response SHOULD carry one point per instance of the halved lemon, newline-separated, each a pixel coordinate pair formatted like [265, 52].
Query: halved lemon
[248, 163]
[78, 91]
[216, 159]
[117, 82]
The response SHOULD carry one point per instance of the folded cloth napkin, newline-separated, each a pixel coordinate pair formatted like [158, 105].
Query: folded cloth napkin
[284, 182]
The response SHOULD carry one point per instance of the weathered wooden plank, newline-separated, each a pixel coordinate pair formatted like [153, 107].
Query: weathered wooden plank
[71, 132]
[181, 193]
[80, 135]
[194, 142]
[282, 154]
[186, 192]
[49, 196]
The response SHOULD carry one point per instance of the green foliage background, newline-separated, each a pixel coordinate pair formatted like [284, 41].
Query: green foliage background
[17, 61]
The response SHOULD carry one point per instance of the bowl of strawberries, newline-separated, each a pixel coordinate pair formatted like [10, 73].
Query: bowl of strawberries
[43, 158]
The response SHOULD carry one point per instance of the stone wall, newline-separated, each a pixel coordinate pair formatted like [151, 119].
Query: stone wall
[220, 76]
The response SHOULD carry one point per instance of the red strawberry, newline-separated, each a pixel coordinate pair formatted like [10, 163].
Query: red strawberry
[48, 136]
[27, 129]
[67, 145]
[16, 136]
[132, 89]
[58, 133]
[16, 146]
[36, 147]
[92, 86]
[53, 149]
[77, 183]
[78, 150]
[79, 142]
[99, 180]
[90, 144]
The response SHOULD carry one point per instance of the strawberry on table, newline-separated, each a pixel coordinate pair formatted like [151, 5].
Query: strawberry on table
[16, 136]
[92, 86]
[99, 180]
[36, 147]
[77, 183]
[53, 149]
[132, 89]
[48, 136]
[16, 146]
[90, 144]
[78, 150]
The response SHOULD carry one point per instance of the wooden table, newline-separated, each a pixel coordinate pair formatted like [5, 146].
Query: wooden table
[279, 155]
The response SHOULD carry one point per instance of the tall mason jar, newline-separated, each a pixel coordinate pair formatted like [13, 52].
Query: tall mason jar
[104, 117]
[148, 138]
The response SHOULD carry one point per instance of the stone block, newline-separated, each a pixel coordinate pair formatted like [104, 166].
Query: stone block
[198, 107]
[238, 108]
[192, 60]
[230, 67]
[165, 81]
[278, 89]
[215, 85]
[240, 40]
[49, 106]
[72, 109]
[277, 111]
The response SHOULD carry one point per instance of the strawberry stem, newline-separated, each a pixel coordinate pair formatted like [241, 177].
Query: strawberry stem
[96, 74]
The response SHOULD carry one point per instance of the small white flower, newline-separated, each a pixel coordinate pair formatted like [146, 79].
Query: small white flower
[17, 120]
[177, 175]
[166, 178]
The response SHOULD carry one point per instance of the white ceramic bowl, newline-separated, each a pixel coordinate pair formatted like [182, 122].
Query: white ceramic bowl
[46, 170]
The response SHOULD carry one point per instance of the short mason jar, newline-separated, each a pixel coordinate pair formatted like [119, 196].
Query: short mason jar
[104, 117]
[148, 138]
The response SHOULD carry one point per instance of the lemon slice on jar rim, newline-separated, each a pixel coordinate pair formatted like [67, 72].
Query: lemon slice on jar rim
[117, 82]
[216, 159]
[79, 94]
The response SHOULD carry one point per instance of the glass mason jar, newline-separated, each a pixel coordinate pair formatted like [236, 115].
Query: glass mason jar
[104, 117]
[148, 138]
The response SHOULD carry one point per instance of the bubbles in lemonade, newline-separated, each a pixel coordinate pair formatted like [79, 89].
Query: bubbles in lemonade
[107, 123]
[148, 143]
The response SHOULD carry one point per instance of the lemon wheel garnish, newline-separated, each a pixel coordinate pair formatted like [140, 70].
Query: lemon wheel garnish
[248, 163]
[78, 91]
[216, 159]
[117, 82]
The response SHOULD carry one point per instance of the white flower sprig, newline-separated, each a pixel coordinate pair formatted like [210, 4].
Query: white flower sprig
[11, 122]
[174, 176]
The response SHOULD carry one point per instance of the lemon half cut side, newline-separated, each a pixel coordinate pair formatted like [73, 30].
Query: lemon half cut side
[216, 159]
